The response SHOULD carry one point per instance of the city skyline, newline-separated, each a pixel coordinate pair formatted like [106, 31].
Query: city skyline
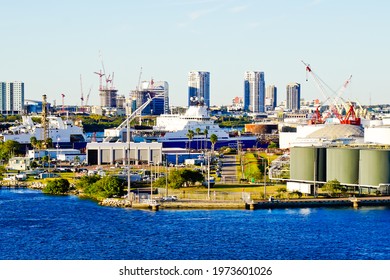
[49, 45]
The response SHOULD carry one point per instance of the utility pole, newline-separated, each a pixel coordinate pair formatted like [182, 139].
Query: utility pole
[208, 176]
[128, 151]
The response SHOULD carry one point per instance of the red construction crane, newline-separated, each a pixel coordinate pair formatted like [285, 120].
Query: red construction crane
[335, 107]
[100, 74]
[350, 117]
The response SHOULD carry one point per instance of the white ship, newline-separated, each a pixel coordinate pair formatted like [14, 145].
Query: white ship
[63, 132]
[174, 131]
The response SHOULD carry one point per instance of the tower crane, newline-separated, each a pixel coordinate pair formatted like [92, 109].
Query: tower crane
[100, 74]
[86, 100]
[82, 94]
[139, 80]
[63, 102]
[335, 97]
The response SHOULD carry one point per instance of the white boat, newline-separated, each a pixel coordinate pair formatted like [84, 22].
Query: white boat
[63, 132]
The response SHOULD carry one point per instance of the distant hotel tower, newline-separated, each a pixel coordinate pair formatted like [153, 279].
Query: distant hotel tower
[254, 91]
[293, 96]
[11, 98]
[199, 88]
[270, 97]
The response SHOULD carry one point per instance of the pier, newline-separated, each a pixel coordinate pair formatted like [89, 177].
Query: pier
[355, 202]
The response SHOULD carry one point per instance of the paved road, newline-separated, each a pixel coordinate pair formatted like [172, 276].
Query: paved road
[229, 169]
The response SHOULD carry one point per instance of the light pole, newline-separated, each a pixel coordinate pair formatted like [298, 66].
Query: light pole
[128, 151]
[208, 176]
[264, 175]
[58, 146]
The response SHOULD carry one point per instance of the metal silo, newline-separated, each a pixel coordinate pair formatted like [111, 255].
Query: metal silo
[321, 164]
[307, 161]
[343, 165]
[374, 167]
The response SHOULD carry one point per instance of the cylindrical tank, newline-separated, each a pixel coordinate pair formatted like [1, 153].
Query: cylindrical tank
[321, 164]
[342, 164]
[307, 161]
[374, 167]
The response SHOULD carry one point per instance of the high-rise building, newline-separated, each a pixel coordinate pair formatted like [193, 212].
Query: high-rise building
[159, 105]
[293, 91]
[108, 97]
[254, 91]
[11, 98]
[199, 88]
[271, 97]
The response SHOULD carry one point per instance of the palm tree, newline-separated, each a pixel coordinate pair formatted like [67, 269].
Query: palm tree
[33, 141]
[190, 135]
[206, 132]
[197, 130]
[213, 140]
[49, 143]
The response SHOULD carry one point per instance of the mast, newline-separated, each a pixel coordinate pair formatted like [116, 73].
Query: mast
[45, 127]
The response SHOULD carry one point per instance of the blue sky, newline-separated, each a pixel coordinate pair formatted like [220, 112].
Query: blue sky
[48, 44]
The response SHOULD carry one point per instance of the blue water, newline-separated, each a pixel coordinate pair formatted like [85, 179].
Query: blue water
[38, 226]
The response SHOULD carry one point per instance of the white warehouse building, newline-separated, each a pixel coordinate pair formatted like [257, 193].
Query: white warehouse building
[111, 153]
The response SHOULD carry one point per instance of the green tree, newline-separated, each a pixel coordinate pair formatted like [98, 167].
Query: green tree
[33, 141]
[191, 177]
[105, 187]
[272, 145]
[213, 140]
[180, 178]
[8, 149]
[86, 181]
[190, 135]
[197, 130]
[57, 186]
[206, 133]
[49, 143]
[175, 180]
[332, 187]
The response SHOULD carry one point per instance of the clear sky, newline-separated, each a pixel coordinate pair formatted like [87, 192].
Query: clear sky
[48, 44]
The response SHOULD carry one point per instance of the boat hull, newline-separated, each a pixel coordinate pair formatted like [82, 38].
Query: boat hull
[245, 143]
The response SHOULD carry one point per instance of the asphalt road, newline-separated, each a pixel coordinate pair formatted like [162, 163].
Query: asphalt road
[229, 169]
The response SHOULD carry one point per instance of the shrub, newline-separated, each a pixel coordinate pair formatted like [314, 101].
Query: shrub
[57, 186]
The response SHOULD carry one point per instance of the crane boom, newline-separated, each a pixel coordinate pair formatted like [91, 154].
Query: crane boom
[82, 92]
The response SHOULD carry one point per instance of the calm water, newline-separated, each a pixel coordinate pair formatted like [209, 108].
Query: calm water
[38, 226]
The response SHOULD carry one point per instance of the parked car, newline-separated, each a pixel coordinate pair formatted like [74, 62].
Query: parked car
[170, 198]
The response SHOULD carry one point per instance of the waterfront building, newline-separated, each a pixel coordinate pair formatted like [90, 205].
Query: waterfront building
[199, 88]
[270, 97]
[110, 153]
[158, 90]
[11, 98]
[254, 91]
[293, 91]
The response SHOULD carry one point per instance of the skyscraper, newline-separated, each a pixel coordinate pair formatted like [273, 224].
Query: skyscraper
[271, 97]
[11, 97]
[199, 88]
[254, 91]
[159, 105]
[293, 91]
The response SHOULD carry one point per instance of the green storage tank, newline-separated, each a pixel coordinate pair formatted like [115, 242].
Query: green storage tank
[374, 167]
[302, 161]
[343, 165]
